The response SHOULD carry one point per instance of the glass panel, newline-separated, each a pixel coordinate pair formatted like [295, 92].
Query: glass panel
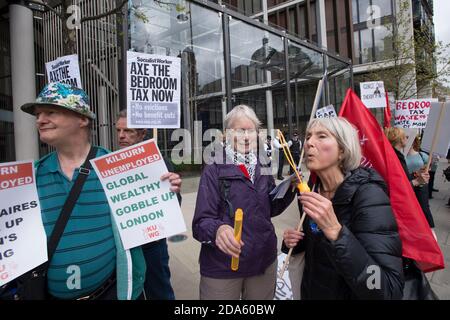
[384, 7]
[195, 35]
[355, 11]
[292, 20]
[306, 68]
[302, 21]
[253, 52]
[357, 48]
[255, 99]
[366, 45]
[338, 84]
[363, 10]
[383, 43]
[313, 30]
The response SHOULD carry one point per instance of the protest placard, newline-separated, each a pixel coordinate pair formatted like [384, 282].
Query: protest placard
[326, 112]
[143, 206]
[443, 133]
[373, 94]
[412, 114]
[64, 69]
[153, 91]
[283, 290]
[23, 242]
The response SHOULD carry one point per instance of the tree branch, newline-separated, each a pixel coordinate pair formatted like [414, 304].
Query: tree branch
[107, 13]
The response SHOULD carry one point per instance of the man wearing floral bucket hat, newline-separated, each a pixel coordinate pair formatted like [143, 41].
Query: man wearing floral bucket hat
[89, 262]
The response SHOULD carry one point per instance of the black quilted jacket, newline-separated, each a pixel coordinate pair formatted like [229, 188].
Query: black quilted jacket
[365, 261]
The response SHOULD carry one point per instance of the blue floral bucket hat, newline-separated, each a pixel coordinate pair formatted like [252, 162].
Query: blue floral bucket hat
[62, 95]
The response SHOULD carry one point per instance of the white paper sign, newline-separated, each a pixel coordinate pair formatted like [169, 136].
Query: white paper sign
[153, 91]
[373, 94]
[326, 112]
[412, 113]
[64, 69]
[23, 242]
[283, 290]
[444, 132]
[143, 207]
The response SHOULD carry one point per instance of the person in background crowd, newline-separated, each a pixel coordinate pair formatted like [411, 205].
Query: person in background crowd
[233, 181]
[433, 169]
[157, 280]
[350, 229]
[268, 149]
[295, 149]
[398, 139]
[416, 162]
[277, 144]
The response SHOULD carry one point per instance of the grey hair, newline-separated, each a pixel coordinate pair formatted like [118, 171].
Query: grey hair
[347, 138]
[122, 114]
[240, 111]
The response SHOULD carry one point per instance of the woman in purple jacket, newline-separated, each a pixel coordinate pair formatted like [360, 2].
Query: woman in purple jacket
[236, 179]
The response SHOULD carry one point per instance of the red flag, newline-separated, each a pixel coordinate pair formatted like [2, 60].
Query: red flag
[417, 239]
[387, 113]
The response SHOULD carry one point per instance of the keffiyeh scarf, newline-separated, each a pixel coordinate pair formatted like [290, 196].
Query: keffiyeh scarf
[248, 160]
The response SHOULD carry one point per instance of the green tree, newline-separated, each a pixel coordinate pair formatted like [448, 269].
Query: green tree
[416, 64]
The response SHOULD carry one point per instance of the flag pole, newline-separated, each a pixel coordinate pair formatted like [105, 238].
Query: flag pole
[155, 135]
[313, 113]
[436, 134]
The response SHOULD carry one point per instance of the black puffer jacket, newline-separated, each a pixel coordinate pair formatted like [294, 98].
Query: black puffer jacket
[369, 241]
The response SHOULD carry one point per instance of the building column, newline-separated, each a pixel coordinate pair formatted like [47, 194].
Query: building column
[321, 24]
[269, 103]
[23, 79]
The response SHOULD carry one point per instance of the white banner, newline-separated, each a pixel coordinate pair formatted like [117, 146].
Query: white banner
[153, 91]
[443, 135]
[326, 112]
[283, 290]
[64, 69]
[23, 242]
[373, 94]
[144, 208]
[412, 114]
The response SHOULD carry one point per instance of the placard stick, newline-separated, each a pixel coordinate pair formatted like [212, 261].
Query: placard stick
[238, 219]
[313, 113]
[436, 135]
[155, 135]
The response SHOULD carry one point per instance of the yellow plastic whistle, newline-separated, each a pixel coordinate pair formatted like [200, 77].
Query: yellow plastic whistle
[303, 187]
[238, 218]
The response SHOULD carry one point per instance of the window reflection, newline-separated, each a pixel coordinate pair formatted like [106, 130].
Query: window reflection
[254, 52]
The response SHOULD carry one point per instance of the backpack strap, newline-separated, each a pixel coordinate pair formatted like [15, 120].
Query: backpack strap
[224, 188]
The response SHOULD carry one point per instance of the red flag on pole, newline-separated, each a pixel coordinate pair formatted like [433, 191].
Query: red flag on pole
[387, 113]
[418, 241]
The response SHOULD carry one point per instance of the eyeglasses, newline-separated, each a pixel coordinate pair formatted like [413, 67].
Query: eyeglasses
[243, 132]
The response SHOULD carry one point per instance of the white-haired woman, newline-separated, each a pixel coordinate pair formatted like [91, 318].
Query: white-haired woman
[233, 180]
[351, 242]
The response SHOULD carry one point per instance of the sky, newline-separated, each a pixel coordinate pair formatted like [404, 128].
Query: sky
[441, 20]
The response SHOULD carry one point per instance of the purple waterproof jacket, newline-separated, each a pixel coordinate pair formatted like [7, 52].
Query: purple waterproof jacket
[258, 234]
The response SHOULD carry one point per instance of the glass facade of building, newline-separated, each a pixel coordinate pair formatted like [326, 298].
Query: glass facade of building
[230, 59]
[373, 27]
